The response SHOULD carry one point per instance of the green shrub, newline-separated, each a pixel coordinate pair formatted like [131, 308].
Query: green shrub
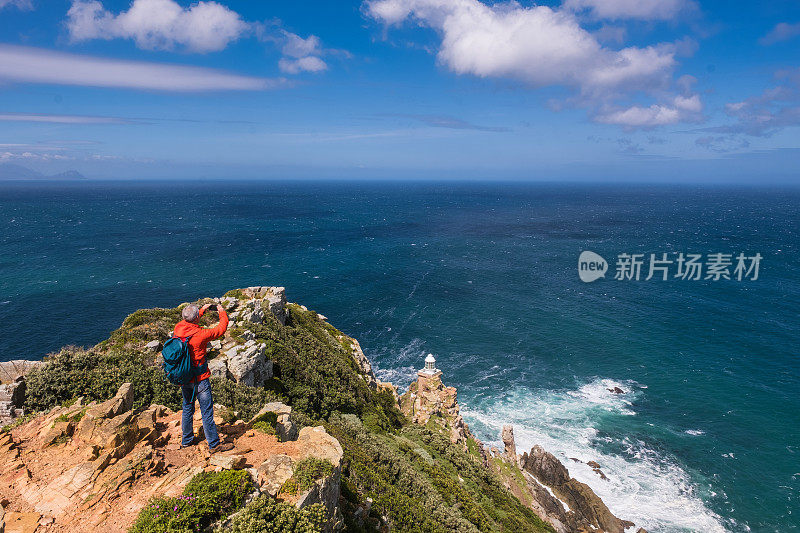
[235, 293]
[244, 400]
[97, 375]
[208, 497]
[422, 482]
[266, 423]
[305, 473]
[267, 515]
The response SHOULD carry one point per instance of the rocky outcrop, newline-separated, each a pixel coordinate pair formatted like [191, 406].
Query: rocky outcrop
[272, 299]
[564, 500]
[285, 429]
[238, 356]
[316, 442]
[509, 443]
[428, 401]
[361, 360]
[245, 363]
[13, 387]
[92, 467]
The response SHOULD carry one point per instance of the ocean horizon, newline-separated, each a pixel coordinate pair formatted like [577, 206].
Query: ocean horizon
[484, 275]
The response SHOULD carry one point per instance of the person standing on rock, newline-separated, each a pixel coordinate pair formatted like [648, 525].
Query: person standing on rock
[200, 386]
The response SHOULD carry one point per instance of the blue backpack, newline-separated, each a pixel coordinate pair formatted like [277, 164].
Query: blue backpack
[178, 366]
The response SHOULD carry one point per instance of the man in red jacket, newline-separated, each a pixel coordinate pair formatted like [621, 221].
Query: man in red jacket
[200, 387]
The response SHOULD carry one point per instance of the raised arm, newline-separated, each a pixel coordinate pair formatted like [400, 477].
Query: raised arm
[218, 330]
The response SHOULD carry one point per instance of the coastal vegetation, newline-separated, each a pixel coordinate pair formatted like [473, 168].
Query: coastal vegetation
[393, 472]
[208, 497]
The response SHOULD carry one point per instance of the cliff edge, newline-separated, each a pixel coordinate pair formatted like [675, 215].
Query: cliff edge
[320, 444]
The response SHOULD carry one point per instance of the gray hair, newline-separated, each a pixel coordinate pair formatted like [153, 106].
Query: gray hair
[190, 313]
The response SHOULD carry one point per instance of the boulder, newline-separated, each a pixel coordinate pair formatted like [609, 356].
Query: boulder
[227, 462]
[274, 299]
[316, 442]
[248, 363]
[13, 388]
[274, 472]
[285, 429]
[120, 403]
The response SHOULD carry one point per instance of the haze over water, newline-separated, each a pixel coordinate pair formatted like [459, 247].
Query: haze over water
[483, 275]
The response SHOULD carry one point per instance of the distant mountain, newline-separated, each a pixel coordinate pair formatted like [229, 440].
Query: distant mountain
[10, 171]
[68, 175]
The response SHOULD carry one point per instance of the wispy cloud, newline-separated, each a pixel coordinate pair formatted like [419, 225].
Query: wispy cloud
[450, 122]
[722, 143]
[36, 65]
[62, 119]
[633, 9]
[543, 46]
[764, 115]
[20, 4]
[781, 32]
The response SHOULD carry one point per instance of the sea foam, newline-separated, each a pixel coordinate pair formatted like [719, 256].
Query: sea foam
[644, 485]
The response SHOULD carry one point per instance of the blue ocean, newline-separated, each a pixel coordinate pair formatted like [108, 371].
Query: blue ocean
[705, 437]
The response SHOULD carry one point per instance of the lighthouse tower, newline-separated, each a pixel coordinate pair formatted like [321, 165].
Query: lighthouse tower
[430, 370]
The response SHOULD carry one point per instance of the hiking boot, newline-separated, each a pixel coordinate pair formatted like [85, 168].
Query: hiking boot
[194, 441]
[221, 448]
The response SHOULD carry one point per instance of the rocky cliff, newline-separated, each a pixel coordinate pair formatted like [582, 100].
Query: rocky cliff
[93, 438]
[93, 467]
[537, 478]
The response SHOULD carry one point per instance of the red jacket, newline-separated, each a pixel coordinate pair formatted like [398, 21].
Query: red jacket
[200, 338]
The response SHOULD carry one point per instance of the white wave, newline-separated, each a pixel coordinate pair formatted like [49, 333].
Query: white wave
[400, 377]
[643, 485]
[695, 432]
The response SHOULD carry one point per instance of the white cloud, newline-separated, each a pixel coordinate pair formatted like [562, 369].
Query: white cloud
[202, 27]
[301, 55]
[681, 109]
[35, 65]
[542, 46]
[20, 4]
[781, 32]
[632, 9]
[303, 64]
[158, 24]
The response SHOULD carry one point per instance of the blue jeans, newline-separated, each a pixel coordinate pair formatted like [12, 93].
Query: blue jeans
[206, 409]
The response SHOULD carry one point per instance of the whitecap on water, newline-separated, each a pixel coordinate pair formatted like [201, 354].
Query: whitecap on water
[644, 485]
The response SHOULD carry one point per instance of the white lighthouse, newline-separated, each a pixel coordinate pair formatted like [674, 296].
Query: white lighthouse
[430, 369]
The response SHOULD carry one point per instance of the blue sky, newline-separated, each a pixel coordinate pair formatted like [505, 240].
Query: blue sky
[643, 90]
